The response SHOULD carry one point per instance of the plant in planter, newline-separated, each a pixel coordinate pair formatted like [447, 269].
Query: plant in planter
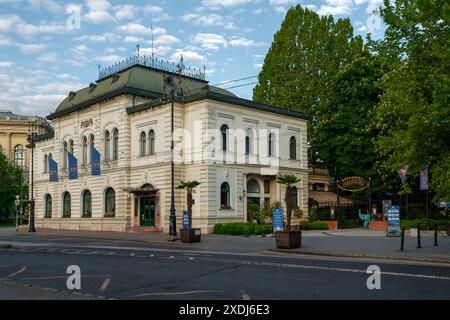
[189, 235]
[288, 239]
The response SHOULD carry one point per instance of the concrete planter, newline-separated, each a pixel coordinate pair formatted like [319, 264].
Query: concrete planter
[288, 239]
[191, 235]
[413, 232]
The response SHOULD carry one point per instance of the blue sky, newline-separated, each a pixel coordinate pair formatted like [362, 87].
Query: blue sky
[42, 58]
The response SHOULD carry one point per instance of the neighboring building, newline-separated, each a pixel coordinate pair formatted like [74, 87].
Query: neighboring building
[14, 130]
[126, 116]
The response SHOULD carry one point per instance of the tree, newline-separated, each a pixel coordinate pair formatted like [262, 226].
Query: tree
[288, 180]
[189, 186]
[10, 177]
[306, 53]
[345, 139]
[413, 116]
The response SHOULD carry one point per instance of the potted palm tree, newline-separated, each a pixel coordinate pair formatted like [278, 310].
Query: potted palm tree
[288, 239]
[190, 234]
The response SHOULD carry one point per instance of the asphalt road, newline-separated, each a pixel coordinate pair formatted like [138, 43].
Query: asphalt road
[35, 268]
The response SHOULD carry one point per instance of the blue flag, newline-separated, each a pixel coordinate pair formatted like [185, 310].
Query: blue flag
[52, 169]
[95, 162]
[73, 166]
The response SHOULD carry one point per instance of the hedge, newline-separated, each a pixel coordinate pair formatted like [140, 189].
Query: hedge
[408, 224]
[241, 228]
[315, 226]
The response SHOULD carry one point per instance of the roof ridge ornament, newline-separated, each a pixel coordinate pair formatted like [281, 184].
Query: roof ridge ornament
[155, 63]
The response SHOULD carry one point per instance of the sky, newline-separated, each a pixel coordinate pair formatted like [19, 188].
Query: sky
[49, 48]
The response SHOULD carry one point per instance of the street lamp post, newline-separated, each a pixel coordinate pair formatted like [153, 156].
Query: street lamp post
[31, 138]
[173, 221]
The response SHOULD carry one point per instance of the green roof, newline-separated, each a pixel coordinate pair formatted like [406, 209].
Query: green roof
[136, 80]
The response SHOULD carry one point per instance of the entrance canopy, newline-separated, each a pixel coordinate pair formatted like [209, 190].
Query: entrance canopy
[329, 199]
[144, 190]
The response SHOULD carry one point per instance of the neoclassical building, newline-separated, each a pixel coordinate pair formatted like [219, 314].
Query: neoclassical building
[14, 130]
[234, 147]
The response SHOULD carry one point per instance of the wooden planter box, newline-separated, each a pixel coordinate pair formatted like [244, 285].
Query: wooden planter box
[378, 225]
[191, 235]
[288, 239]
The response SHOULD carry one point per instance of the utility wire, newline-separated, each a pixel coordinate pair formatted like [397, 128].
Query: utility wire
[241, 85]
[236, 80]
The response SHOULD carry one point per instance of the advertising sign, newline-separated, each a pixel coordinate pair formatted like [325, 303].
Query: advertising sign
[393, 215]
[185, 220]
[277, 219]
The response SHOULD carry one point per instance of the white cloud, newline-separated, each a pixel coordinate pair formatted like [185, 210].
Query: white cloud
[206, 20]
[31, 48]
[108, 36]
[67, 76]
[123, 12]
[109, 59]
[13, 23]
[188, 55]
[210, 41]
[6, 64]
[224, 3]
[50, 5]
[131, 39]
[166, 39]
[48, 57]
[98, 12]
[244, 42]
[139, 29]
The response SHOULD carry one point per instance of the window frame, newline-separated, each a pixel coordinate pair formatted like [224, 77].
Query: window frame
[109, 212]
[227, 193]
[66, 200]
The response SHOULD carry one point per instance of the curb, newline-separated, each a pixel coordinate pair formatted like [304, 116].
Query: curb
[168, 242]
[361, 255]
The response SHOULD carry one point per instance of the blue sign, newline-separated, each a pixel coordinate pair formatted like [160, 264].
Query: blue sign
[52, 170]
[393, 215]
[185, 220]
[277, 219]
[73, 166]
[95, 162]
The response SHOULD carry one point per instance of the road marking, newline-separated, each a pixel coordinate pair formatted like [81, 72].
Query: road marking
[64, 277]
[174, 293]
[4, 266]
[245, 295]
[17, 272]
[105, 284]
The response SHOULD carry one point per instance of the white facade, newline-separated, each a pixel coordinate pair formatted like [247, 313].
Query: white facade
[198, 156]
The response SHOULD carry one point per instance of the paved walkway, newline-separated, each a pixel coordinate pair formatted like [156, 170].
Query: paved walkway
[346, 243]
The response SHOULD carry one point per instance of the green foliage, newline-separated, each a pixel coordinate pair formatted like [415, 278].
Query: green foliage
[313, 214]
[348, 224]
[315, 226]
[408, 224]
[413, 116]
[10, 177]
[306, 53]
[241, 228]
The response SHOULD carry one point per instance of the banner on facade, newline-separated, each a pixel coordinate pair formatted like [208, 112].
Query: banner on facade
[277, 219]
[424, 178]
[393, 215]
[73, 166]
[95, 162]
[52, 170]
[185, 220]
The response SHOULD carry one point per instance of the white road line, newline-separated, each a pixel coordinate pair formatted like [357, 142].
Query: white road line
[174, 293]
[64, 277]
[105, 284]
[17, 272]
[245, 295]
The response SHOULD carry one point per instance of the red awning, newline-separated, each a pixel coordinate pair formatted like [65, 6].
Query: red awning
[329, 199]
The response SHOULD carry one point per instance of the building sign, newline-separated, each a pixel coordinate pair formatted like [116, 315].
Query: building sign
[87, 123]
[353, 184]
[185, 220]
[277, 219]
[393, 214]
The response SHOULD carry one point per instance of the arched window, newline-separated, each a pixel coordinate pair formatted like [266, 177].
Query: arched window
[19, 156]
[110, 202]
[247, 145]
[225, 196]
[71, 146]
[85, 151]
[271, 145]
[293, 148]
[151, 142]
[91, 145]
[253, 186]
[294, 197]
[48, 206]
[115, 137]
[66, 205]
[224, 133]
[143, 142]
[107, 145]
[65, 150]
[45, 163]
[87, 204]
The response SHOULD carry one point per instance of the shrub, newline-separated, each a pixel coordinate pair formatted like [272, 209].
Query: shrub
[348, 224]
[218, 228]
[408, 224]
[315, 226]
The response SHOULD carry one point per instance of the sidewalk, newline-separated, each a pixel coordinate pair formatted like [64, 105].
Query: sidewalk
[340, 243]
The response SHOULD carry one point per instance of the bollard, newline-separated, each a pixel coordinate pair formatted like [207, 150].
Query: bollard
[418, 236]
[435, 235]
[402, 241]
